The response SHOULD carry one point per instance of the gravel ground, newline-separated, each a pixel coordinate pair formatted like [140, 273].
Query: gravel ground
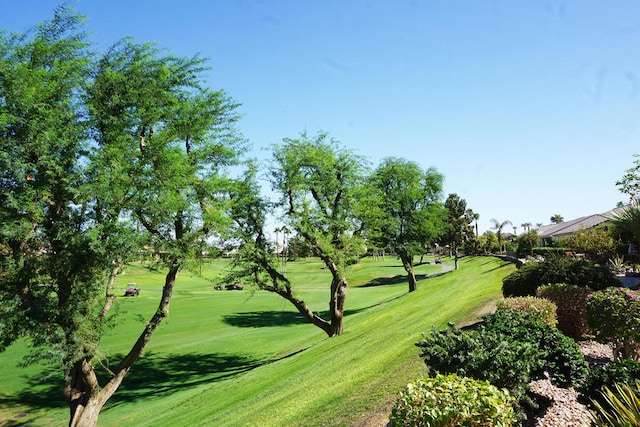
[563, 409]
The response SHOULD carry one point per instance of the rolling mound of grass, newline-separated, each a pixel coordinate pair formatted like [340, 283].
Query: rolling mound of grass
[248, 358]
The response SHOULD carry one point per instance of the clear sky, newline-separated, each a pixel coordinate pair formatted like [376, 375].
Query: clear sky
[528, 108]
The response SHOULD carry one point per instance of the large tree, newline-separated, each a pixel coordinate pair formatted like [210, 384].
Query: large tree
[406, 211]
[159, 146]
[316, 181]
[459, 228]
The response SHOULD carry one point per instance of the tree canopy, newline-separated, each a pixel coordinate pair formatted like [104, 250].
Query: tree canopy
[405, 213]
[95, 147]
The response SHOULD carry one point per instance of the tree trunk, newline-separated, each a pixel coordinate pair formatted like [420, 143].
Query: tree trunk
[407, 263]
[455, 255]
[336, 305]
[82, 391]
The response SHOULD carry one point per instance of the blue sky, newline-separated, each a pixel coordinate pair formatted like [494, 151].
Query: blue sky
[529, 109]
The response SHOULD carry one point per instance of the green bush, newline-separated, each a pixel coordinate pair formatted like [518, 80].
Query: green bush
[614, 316]
[543, 309]
[484, 355]
[571, 307]
[547, 251]
[580, 272]
[560, 356]
[452, 401]
[623, 371]
[622, 408]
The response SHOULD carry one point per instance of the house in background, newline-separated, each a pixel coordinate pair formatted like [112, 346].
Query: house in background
[567, 228]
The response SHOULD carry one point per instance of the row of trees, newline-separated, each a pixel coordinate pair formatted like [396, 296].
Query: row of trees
[104, 154]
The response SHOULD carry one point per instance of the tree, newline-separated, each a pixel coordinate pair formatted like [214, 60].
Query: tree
[630, 182]
[527, 241]
[159, 144]
[556, 219]
[406, 208]
[499, 226]
[597, 243]
[626, 225]
[458, 228]
[488, 242]
[526, 226]
[316, 181]
[476, 217]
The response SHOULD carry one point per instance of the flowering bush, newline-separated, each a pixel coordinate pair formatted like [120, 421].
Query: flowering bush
[614, 315]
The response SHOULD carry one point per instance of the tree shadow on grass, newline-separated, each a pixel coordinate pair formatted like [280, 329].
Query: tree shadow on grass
[43, 390]
[262, 319]
[155, 374]
[152, 375]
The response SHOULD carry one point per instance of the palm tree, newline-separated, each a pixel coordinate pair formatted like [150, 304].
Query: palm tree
[626, 224]
[476, 217]
[498, 226]
[557, 219]
[526, 226]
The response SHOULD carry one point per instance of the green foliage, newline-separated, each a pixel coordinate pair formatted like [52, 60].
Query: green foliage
[401, 209]
[596, 243]
[450, 400]
[459, 228]
[614, 315]
[630, 182]
[580, 272]
[499, 226]
[526, 243]
[550, 251]
[488, 242]
[560, 356]
[622, 406]
[510, 349]
[543, 309]
[621, 371]
[571, 307]
[484, 355]
[626, 224]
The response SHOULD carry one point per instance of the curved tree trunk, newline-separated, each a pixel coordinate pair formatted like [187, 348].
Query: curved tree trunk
[407, 263]
[82, 390]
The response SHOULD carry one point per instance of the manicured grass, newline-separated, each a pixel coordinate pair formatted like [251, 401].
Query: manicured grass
[248, 358]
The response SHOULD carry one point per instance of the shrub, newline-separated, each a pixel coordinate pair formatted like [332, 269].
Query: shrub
[623, 371]
[547, 251]
[580, 272]
[560, 356]
[543, 309]
[452, 401]
[571, 307]
[486, 356]
[622, 408]
[614, 315]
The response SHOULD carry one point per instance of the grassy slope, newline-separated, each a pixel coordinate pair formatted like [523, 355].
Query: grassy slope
[226, 359]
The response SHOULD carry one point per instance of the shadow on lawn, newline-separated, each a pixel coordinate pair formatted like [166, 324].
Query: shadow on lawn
[262, 319]
[152, 375]
[400, 278]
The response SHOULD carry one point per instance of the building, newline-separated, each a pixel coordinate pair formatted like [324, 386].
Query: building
[567, 228]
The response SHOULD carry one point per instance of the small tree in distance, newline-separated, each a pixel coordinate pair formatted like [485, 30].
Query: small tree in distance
[404, 210]
[458, 228]
[499, 226]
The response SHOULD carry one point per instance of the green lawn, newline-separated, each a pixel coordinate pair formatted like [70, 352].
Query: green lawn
[247, 358]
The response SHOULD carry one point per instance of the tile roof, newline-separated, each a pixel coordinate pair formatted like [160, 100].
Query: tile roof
[568, 227]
